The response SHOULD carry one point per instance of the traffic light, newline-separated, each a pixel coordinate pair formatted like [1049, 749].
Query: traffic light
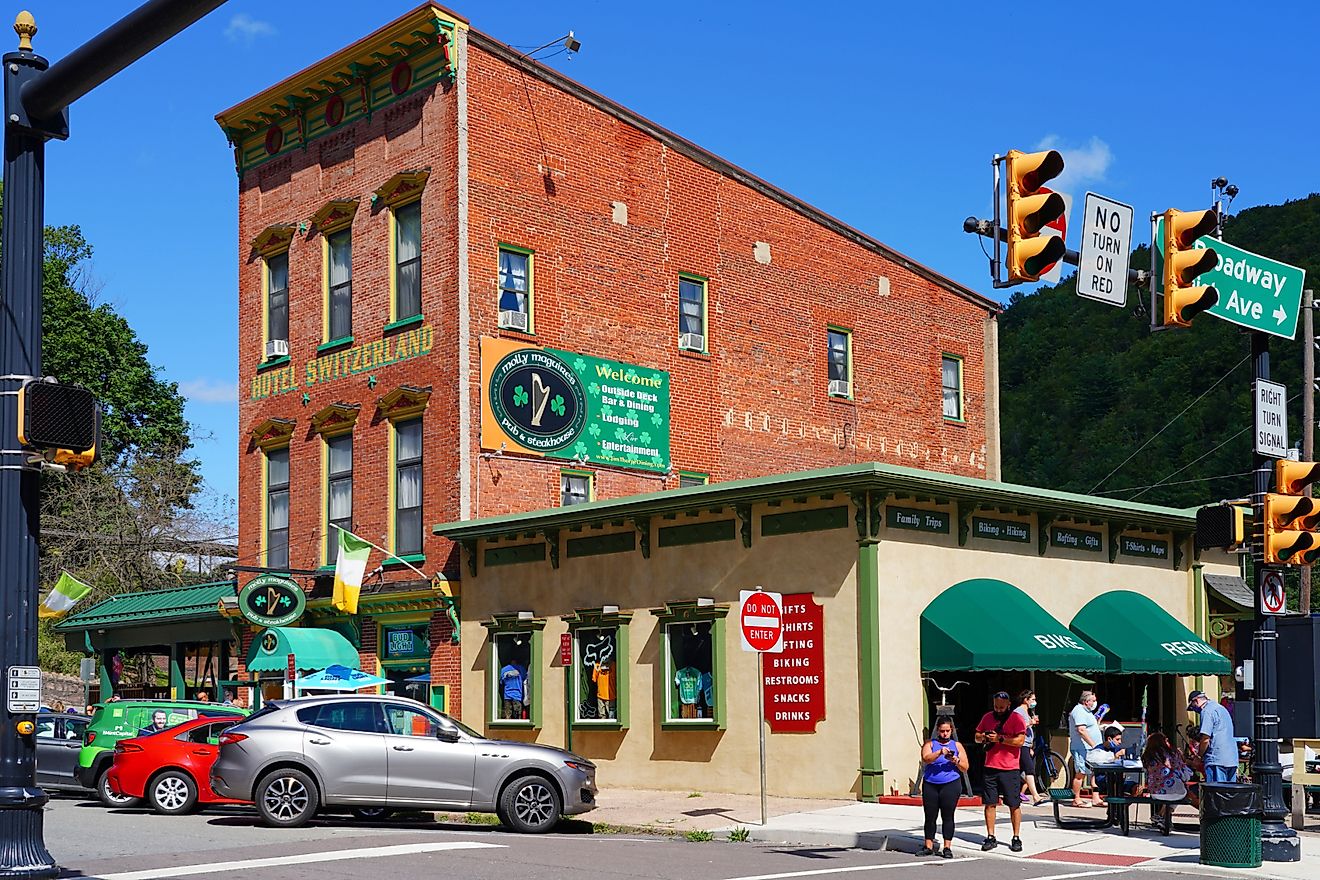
[1029, 211]
[62, 421]
[1221, 526]
[1183, 263]
[1291, 519]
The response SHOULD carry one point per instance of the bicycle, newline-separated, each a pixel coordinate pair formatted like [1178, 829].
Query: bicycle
[1051, 768]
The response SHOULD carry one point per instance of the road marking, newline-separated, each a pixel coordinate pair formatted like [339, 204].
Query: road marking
[1081, 874]
[852, 868]
[379, 852]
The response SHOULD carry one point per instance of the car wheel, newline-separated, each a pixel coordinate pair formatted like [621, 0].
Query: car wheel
[372, 813]
[286, 798]
[108, 796]
[172, 793]
[529, 805]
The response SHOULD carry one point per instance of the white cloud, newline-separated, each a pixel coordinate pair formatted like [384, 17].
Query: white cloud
[209, 391]
[245, 29]
[1082, 165]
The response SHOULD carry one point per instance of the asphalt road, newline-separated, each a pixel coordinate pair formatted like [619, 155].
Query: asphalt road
[88, 840]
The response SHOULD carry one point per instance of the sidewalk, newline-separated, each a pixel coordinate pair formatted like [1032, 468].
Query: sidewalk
[899, 827]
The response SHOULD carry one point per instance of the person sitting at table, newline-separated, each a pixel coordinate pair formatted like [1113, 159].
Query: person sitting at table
[1113, 744]
[1166, 774]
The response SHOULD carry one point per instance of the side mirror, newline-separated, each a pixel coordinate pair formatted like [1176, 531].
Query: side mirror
[447, 734]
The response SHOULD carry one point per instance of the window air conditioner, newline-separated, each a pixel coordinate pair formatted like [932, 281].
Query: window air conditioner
[510, 320]
[692, 342]
[840, 388]
[277, 348]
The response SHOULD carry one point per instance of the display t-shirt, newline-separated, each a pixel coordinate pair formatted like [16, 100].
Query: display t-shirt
[688, 680]
[1000, 756]
[511, 681]
[603, 675]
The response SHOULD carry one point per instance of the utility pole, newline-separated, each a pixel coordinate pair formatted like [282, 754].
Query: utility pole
[36, 106]
[1308, 418]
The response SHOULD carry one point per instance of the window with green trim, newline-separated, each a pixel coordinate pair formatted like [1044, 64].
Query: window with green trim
[597, 674]
[277, 508]
[340, 284]
[692, 478]
[408, 261]
[515, 289]
[511, 657]
[408, 487]
[951, 380]
[840, 362]
[691, 313]
[690, 674]
[575, 487]
[339, 492]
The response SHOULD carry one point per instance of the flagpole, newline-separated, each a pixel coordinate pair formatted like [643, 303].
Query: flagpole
[387, 553]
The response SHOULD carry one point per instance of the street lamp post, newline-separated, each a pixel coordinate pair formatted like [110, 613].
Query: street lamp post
[36, 100]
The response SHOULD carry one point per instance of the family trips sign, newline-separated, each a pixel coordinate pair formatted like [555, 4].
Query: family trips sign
[564, 405]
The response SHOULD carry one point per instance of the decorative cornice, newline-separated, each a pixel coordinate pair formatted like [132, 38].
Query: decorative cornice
[335, 215]
[404, 187]
[273, 433]
[335, 419]
[274, 239]
[404, 402]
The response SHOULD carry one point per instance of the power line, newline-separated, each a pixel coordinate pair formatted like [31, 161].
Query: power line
[1175, 483]
[1152, 437]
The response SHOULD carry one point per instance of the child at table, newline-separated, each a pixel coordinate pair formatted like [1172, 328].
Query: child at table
[1113, 743]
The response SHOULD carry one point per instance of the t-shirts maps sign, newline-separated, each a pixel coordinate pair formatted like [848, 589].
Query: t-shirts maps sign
[559, 404]
[795, 677]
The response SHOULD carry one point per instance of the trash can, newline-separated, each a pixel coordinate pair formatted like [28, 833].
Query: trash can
[1230, 824]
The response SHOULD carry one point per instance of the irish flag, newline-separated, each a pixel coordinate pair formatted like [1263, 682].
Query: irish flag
[349, 569]
[66, 593]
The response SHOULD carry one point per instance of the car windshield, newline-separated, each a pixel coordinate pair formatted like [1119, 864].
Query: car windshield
[460, 725]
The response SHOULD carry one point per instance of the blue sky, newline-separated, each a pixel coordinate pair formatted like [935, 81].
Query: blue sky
[884, 117]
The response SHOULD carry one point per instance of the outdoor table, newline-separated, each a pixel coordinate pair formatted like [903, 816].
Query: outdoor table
[1113, 775]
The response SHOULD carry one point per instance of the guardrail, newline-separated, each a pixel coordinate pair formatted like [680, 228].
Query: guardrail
[1302, 778]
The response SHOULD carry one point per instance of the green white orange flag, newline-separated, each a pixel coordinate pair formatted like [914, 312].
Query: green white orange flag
[349, 570]
[63, 596]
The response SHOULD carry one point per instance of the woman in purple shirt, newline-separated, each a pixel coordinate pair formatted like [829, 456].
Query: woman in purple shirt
[944, 762]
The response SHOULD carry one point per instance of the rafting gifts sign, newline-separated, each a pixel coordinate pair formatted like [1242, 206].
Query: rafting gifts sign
[564, 405]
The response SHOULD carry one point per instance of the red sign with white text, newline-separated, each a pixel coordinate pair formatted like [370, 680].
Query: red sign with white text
[795, 678]
[565, 649]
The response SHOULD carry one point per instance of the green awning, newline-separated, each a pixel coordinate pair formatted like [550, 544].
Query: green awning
[987, 625]
[312, 648]
[1136, 635]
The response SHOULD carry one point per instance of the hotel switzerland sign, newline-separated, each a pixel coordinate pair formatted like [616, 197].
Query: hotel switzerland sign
[795, 678]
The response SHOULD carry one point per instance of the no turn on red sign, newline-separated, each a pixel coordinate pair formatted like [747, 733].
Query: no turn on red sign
[761, 621]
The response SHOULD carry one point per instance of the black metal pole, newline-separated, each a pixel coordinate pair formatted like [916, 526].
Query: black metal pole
[22, 848]
[35, 109]
[1278, 842]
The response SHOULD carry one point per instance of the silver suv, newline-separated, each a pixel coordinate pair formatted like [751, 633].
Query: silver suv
[375, 753]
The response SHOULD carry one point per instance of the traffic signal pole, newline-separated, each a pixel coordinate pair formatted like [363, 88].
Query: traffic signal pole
[36, 99]
[1278, 842]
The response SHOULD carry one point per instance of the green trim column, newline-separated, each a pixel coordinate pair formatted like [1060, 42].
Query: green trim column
[868, 655]
[178, 687]
[1200, 626]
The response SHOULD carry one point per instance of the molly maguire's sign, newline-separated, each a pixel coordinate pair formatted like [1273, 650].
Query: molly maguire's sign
[565, 405]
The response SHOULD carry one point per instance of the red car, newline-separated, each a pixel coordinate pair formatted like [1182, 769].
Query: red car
[171, 769]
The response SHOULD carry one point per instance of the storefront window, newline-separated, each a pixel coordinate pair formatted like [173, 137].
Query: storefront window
[690, 673]
[512, 682]
[598, 681]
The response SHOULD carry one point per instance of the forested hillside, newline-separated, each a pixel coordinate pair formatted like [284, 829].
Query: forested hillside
[1084, 384]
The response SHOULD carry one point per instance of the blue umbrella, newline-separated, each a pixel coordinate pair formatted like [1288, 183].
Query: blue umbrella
[339, 678]
[424, 678]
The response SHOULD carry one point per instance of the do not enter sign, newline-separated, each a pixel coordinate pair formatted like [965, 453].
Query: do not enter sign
[761, 621]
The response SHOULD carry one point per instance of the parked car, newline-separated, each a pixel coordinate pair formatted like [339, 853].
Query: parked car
[59, 739]
[170, 769]
[294, 757]
[124, 719]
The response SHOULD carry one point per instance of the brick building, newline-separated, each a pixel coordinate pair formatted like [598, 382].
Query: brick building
[471, 286]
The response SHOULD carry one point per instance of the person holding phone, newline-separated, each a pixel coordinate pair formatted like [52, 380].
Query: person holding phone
[943, 762]
[1003, 732]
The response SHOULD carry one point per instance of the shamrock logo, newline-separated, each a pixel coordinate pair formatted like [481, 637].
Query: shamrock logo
[580, 365]
[594, 429]
[580, 448]
[520, 396]
[259, 600]
[645, 437]
[557, 404]
[594, 388]
[656, 460]
[606, 411]
[620, 434]
[656, 419]
[286, 601]
[630, 375]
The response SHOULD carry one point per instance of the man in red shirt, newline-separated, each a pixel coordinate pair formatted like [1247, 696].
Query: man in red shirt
[1003, 731]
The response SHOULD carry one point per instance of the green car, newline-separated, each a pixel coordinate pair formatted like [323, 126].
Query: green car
[125, 719]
